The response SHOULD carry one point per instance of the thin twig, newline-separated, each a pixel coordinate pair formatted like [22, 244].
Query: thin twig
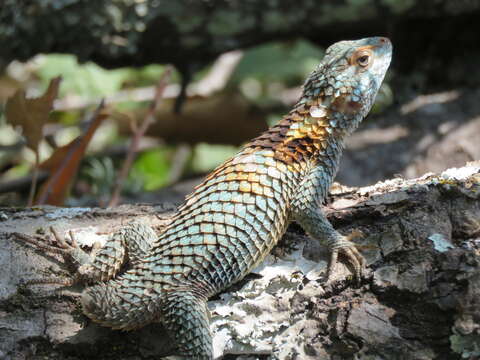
[138, 134]
[179, 162]
[33, 186]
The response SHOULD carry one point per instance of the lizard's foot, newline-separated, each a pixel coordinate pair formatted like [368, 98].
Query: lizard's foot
[349, 250]
[70, 250]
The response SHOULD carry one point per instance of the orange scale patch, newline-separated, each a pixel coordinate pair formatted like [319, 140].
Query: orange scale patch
[253, 177]
[239, 167]
[241, 176]
[257, 189]
[245, 186]
[229, 170]
[231, 176]
[268, 192]
[296, 117]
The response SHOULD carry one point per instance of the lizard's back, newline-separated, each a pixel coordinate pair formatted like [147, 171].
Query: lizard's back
[227, 225]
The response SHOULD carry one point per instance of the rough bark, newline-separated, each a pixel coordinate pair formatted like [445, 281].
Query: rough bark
[190, 33]
[420, 300]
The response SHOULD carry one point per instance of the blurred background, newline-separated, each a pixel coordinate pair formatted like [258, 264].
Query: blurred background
[227, 70]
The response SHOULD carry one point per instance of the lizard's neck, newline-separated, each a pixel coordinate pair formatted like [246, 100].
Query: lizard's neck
[314, 130]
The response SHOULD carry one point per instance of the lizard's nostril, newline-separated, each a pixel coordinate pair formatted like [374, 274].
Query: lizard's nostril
[383, 40]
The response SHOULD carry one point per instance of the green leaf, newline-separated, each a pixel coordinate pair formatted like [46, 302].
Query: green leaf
[153, 168]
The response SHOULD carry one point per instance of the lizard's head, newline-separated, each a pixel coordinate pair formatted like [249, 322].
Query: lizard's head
[346, 82]
[336, 97]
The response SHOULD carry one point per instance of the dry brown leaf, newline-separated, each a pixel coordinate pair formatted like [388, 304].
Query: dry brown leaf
[64, 162]
[32, 114]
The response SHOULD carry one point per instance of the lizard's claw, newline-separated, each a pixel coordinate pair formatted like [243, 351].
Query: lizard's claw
[68, 249]
[39, 243]
[356, 260]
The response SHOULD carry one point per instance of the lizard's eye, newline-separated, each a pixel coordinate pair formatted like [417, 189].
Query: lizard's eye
[363, 60]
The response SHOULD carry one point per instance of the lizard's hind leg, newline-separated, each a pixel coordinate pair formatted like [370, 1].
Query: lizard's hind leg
[113, 305]
[129, 244]
[126, 302]
[103, 263]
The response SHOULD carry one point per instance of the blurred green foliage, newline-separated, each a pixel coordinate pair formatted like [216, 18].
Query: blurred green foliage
[88, 79]
[207, 157]
[152, 168]
[101, 173]
[92, 81]
[288, 62]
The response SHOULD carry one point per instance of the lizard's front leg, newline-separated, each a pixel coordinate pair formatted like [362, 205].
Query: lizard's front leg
[306, 210]
[317, 226]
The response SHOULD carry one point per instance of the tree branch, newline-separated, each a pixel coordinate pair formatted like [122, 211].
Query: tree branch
[421, 299]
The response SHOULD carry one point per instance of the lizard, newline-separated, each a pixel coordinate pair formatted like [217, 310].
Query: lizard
[234, 218]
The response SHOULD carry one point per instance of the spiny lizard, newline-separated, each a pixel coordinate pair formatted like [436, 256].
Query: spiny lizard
[234, 218]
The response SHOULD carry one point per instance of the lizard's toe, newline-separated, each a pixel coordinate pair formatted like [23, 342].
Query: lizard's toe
[40, 244]
[352, 255]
